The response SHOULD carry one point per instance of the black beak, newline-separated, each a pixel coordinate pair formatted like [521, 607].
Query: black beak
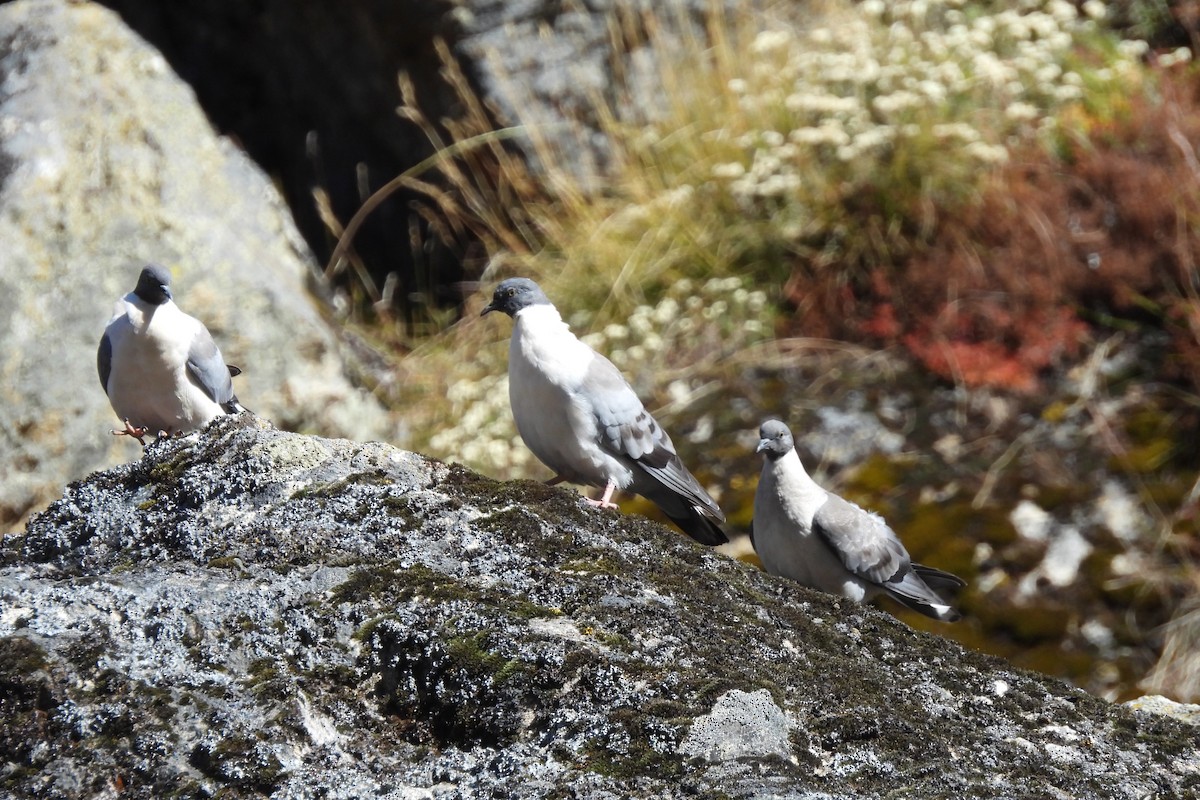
[489, 308]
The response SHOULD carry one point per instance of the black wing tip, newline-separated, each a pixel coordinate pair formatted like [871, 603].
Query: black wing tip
[104, 360]
[234, 406]
[924, 590]
[701, 528]
[939, 579]
[932, 604]
[943, 612]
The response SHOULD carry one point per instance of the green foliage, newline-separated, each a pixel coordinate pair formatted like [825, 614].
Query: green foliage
[836, 145]
[787, 152]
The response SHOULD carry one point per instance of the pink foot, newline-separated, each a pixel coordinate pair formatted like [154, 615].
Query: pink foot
[130, 430]
[606, 500]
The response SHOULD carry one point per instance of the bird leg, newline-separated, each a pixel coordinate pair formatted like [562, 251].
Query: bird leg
[130, 430]
[606, 500]
[555, 481]
[161, 435]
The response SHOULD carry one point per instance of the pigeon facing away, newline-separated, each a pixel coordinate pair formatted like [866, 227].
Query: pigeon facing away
[160, 367]
[580, 417]
[824, 542]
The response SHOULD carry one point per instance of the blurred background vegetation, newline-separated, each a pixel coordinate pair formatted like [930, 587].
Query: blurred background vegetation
[962, 232]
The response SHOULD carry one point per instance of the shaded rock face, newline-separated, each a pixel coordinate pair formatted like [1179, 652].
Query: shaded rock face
[310, 89]
[246, 611]
[107, 163]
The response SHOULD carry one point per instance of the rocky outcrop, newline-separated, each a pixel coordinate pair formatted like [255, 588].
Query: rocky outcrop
[106, 163]
[249, 612]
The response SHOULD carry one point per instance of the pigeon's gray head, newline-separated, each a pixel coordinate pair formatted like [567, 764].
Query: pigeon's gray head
[514, 294]
[774, 439]
[154, 285]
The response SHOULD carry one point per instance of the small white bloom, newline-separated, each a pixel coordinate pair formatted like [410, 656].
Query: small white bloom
[987, 153]
[1132, 48]
[956, 130]
[874, 8]
[666, 311]
[1062, 11]
[1180, 55]
[1021, 112]
[768, 41]
[615, 332]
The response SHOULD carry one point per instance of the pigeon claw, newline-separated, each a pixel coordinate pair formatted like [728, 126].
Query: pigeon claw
[606, 500]
[130, 430]
[600, 503]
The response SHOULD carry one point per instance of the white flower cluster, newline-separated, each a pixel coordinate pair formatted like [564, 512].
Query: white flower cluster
[694, 326]
[478, 429]
[695, 322]
[890, 82]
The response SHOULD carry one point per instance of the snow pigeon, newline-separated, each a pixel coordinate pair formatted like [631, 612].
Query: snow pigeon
[581, 418]
[824, 542]
[160, 367]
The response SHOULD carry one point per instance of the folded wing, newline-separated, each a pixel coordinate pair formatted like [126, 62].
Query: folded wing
[627, 429]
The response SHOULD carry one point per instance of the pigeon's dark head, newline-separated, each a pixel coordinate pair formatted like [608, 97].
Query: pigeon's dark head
[514, 294]
[154, 285]
[774, 439]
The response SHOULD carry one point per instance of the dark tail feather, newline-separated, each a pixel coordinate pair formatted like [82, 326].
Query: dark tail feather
[683, 500]
[938, 580]
[700, 527]
[696, 521]
[233, 406]
[912, 591]
[938, 611]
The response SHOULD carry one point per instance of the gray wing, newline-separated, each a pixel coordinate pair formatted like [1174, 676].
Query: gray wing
[867, 547]
[871, 550]
[207, 368]
[104, 360]
[628, 429]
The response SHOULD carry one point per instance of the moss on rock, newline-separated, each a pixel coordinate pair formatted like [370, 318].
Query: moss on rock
[424, 625]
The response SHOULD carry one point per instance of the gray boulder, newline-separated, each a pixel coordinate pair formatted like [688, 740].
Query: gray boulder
[247, 612]
[106, 163]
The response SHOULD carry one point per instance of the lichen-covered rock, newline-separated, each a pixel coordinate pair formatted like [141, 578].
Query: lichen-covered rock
[106, 163]
[251, 612]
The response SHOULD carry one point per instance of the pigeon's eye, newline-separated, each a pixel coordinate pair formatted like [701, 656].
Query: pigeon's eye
[509, 292]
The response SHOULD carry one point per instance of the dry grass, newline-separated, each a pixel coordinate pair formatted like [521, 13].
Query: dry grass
[826, 146]
[896, 174]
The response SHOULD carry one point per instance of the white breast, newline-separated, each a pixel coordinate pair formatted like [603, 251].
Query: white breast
[547, 365]
[148, 383]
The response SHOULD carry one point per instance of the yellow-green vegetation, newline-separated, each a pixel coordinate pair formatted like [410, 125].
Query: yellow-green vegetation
[826, 136]
[836, 142]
